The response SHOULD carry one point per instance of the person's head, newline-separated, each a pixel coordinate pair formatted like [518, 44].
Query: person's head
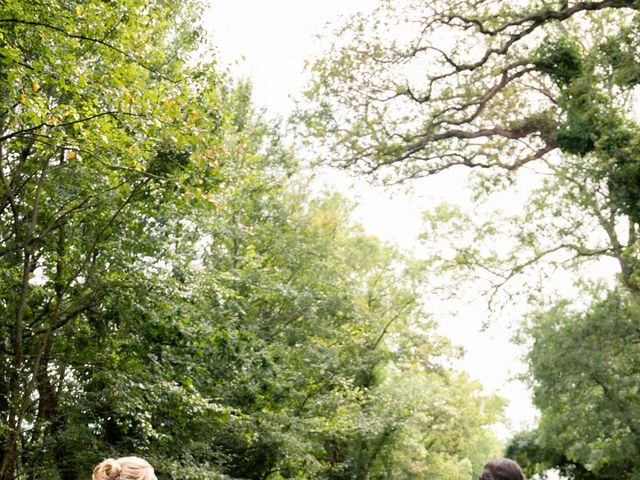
[501, 469]
[125, 468]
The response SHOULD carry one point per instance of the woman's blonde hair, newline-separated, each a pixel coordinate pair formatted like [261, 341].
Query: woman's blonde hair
[124, 468]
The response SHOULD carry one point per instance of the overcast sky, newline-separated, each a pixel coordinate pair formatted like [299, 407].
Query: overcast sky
[268, 42]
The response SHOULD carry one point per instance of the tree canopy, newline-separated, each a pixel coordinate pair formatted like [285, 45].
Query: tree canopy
[546, 90]
[585, 382]
[415, 88]
[171, 289]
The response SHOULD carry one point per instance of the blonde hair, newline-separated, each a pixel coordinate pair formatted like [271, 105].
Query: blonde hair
[124, 468]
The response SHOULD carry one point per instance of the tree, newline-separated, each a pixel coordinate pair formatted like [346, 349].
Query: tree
[414, 89]
[169, 289]
[101, 125]
[329, 362]
[536, 458]
[585, 382]
[419, 88]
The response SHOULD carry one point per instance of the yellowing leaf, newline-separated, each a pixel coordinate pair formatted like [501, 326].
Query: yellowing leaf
[53, 121]
[23, 98]
[36, 87]
[71, 154]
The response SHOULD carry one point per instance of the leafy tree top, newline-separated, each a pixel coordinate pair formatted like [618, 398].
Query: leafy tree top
[416, 88]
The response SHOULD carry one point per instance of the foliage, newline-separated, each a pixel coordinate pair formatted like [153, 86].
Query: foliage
[169, 289]
[415, 88]
[101, 117]
[584, 368]
[560, 58]
[412, 89]
[536, 458]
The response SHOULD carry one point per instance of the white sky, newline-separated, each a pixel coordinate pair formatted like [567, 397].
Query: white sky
[268, 42]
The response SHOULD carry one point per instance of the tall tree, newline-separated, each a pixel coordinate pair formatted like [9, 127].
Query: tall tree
[413, 89]
[417, 88]
[101, 115]
[585, 382]
[170, 290]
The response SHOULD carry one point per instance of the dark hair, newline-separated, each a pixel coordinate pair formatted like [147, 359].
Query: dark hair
[501, 469]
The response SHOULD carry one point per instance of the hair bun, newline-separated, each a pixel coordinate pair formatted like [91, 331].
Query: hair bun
[108, 469]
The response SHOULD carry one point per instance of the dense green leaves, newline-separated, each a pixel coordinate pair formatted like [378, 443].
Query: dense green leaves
[96, 101]
[585, 370]
[537, 458]
[561, 58]
[170, 289]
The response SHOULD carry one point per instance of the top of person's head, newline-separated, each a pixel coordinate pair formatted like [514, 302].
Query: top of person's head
[124, 468]
[501, 469]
